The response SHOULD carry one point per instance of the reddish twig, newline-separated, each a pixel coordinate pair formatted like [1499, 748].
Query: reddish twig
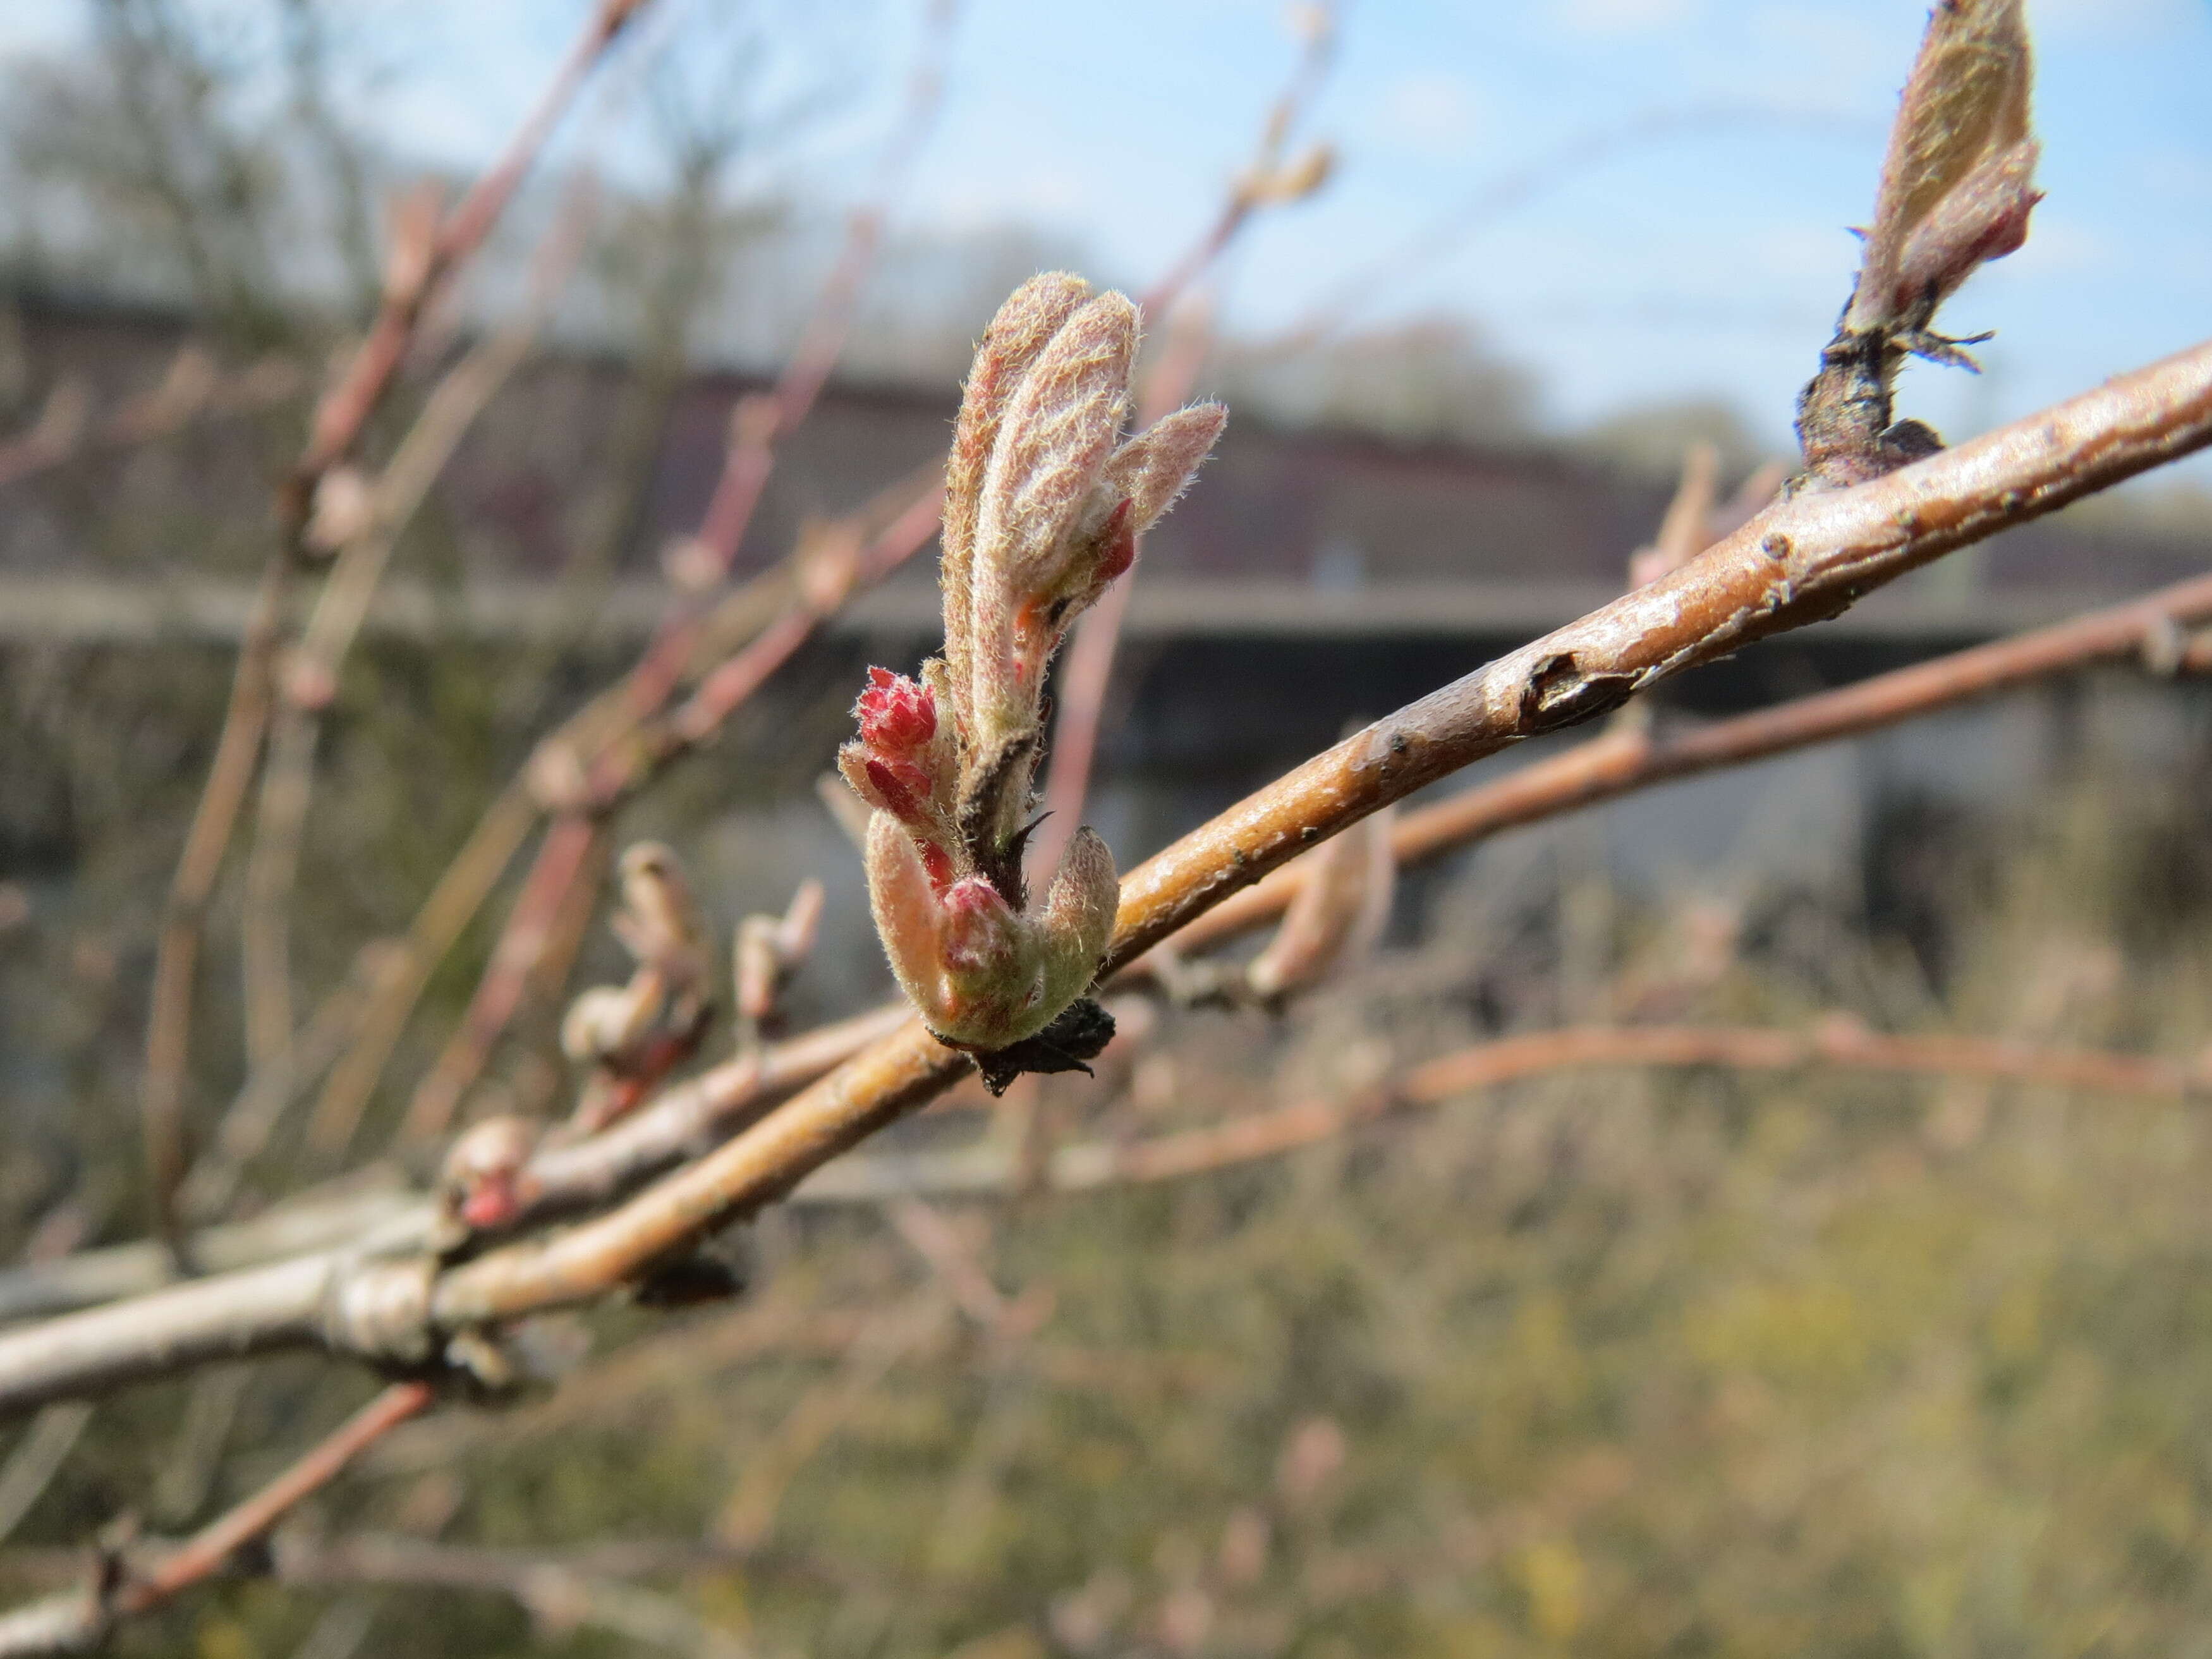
[82, 1619]
[1419, 251]
[1625, 760]
[334, 428]
[1087, 671]
[191, 389]
[1839, 1044]
[311, 678]
[756, 426]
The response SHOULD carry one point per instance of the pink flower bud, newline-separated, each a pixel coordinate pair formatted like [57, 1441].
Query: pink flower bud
[895, 714]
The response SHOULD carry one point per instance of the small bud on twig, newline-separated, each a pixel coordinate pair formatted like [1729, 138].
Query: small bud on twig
[632, 1035]
[344, 505]
[412, 218]
[485, 1181]
[769, 949]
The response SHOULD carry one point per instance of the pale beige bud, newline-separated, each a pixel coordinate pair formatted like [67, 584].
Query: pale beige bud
[604, 1021]
[659, 921]
[770, 948]
[485, 1181]
[1077, 919]
[412, 218]
[344, 506]
[1283, 185]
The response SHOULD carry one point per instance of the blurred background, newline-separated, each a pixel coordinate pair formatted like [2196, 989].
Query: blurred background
[1698, 1362]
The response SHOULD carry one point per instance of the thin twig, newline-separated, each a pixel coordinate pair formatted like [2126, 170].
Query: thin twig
[1625, 760]
[1419, 251]
[38, 1458]
[1836, 1044]
[460, 892]
[192, 390]
[757, 427]
[1801, 561]
[311, 679]
[1087, 671]
[622, 770]
[749, 1515]
[388, 1219]
[81, 1620]
[337, 424]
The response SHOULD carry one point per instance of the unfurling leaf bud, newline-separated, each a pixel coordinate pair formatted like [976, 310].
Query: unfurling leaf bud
[1958, 184]
[1044, 505]
[984, 974]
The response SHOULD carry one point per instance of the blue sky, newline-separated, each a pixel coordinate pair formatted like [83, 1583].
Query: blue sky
[1710, 261]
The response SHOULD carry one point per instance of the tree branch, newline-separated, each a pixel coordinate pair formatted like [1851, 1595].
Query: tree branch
[82, 1620]
[1839, 1044]
[334, 428]
[1621, 761]
[1803, 559]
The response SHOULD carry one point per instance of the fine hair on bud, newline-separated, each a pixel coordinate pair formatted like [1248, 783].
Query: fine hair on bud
[1046, 499]
[1958, 187]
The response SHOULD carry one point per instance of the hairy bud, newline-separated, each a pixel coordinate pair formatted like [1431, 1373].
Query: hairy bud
[1958, 185]
[769, 949]
[1044, 503]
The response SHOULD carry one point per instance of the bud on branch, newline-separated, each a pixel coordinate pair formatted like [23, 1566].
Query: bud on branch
[1957, 188]
[1044, 501]
[629, 1036]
